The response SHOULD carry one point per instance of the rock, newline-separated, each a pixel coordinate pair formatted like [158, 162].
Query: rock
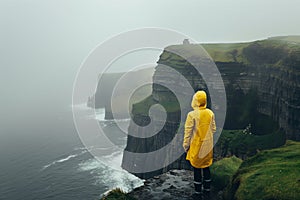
[179, 186]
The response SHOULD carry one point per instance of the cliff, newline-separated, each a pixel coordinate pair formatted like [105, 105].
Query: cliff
[271, 174]
[263, 76]
[262, 82]
[107, 85]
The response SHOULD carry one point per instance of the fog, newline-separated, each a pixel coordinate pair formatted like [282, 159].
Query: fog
[43, 43]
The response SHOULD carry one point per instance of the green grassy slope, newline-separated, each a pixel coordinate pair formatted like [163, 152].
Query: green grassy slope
[226, 52]
[290, 38]
[235, 52]
[271, 174]
[243, 144]
[223, 170]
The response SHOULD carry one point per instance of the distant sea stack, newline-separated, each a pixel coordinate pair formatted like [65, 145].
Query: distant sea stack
[262, 82]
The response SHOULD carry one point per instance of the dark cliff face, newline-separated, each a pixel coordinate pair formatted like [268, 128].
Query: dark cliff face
[262, 82]
[276, 79]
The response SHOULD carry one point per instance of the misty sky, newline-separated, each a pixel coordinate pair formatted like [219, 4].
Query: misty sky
[44, 42]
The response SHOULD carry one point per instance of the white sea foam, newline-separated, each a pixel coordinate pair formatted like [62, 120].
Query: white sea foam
[60, 161]
[100, 114]
[119, 179]
[80, 148]
[108, 172]
[81, 106]
[117, 120]
[90, 165]
[115, 160]
[85, 149]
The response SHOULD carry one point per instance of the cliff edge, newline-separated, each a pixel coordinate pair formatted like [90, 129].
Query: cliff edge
[262, 82]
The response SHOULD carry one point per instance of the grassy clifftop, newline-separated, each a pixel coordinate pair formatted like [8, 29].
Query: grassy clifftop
[275, 51]
[223, 170]
[271, 174]
[249, 52]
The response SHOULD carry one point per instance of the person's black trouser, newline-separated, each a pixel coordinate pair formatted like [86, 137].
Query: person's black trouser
[202, 177]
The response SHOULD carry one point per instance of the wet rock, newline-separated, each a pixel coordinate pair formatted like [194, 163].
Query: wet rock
[175, 184]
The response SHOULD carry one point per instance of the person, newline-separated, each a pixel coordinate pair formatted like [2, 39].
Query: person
[198, 142]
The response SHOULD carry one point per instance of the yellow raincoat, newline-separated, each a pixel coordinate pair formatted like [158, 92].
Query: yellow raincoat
[198, 132]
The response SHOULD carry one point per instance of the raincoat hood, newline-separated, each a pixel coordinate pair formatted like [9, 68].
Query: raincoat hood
[199, 100]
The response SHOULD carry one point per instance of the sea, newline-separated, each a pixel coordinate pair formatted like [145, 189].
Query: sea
[45, 159]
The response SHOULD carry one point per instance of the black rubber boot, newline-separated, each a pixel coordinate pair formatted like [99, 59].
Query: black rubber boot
[197, 196]
[198, 187]
[206, 188]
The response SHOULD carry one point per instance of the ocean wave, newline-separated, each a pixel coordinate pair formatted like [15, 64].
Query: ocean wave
[92, 147]
[119, 179]
[90, 165]
[100, 114]
[80, 148]
[114, 160]
[81, 106]
[61, 160]
[108, 172]
[117, 120]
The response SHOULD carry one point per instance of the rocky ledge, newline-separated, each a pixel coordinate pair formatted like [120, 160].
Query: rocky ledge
[175, 184]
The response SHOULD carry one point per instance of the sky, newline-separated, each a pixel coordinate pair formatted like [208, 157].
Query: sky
[44, 42]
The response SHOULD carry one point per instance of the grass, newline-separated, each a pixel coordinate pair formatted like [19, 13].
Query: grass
[226, 52]
[143, 106]
[237, 142]
[234, 52]
[218, 52]
[223, 170]
[271, 174]
[291, 38]
[117, 194]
